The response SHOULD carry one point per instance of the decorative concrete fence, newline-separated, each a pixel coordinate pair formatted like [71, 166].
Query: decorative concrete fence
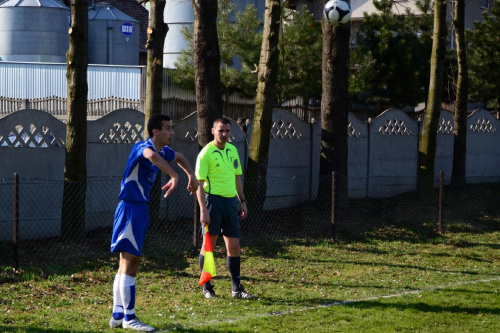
[382, 160]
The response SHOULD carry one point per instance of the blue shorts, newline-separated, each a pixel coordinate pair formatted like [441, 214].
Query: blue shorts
[224, 217]
[130, 227]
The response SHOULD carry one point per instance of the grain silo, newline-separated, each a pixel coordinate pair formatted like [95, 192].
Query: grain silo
[34, 30]
[113, 36]
[178, 14]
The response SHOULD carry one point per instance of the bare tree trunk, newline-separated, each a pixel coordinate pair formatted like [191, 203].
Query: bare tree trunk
[427, 147]
[226, 104]
[206, 68]
[460, 117]
[334, 114]
[256, 173]
[157, 31]
[264, 100]
[335, 99]
[75, 166]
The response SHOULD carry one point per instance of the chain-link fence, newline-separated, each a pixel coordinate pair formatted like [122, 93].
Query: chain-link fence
[32, 232]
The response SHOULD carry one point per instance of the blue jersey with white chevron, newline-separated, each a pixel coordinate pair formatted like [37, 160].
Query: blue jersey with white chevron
[140, 172]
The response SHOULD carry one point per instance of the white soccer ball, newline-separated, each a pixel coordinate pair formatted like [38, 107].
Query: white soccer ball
[337, 12]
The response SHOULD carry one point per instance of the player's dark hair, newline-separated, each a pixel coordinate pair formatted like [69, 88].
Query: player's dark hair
[155, 122]
[222, 120]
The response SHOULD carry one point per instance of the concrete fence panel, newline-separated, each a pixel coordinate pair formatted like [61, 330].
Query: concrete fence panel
[109, 141]
[357, 160]
[443, 160]
[291, 155]
[483, 146]
[32, 145]
[392, 152]
[383, 160]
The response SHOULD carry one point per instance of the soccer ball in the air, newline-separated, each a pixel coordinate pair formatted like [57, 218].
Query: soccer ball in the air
[337, 12]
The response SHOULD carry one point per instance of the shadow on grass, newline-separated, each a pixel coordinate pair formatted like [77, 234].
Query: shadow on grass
[420, 268]
[414, 216]
[305, 302]
[424, 307]
[203, 330]
[42, 258]
[18, 329]
[410, 217]
[51, 330]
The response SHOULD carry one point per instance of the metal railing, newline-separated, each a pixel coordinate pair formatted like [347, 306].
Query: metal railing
[173, 106]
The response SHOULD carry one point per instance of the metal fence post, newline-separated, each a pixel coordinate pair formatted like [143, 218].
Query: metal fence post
[440, 217]
[368, 152]
[15, 240]
[311, 157]
[196, 220]
[333, 207]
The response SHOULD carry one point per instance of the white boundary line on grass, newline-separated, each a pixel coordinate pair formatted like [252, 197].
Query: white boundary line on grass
[280, 313]
[412, 292]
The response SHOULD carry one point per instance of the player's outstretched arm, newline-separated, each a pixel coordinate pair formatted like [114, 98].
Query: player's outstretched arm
[157, 160]
[182, 161]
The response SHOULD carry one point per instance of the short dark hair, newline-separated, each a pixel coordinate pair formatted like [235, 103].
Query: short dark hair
[222, 120]
[156, 122]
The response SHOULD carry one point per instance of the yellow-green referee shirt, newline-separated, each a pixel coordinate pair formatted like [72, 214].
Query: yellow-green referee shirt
[218, 168]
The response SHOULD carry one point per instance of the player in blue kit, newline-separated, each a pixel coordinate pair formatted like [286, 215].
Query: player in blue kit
[132, 214]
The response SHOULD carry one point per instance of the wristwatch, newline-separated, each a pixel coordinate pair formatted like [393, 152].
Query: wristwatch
[244, 200]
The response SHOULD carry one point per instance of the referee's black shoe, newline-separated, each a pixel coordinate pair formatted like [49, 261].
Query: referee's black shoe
[209, 292]
[241, 293]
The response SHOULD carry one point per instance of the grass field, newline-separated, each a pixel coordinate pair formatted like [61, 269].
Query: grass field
[392, 280]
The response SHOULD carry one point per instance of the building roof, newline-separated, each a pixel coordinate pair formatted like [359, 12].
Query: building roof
[359, 7]
[133, 9]
[33, 3]
[106, 12]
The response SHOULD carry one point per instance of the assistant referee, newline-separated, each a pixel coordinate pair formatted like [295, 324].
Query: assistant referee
[222, 201]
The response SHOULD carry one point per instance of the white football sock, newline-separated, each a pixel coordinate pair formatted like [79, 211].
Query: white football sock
[127, 290]
[117, 298]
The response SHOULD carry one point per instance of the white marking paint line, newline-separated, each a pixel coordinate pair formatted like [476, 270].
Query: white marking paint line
[280, 313]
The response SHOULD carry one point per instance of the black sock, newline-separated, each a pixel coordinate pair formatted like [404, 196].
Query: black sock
[233, 265]
[201, 260]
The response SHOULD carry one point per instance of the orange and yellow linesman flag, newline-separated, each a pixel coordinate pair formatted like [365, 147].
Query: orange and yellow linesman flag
[208, 271]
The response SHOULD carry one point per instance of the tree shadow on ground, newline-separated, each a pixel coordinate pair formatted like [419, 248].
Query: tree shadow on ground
[423, 307]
